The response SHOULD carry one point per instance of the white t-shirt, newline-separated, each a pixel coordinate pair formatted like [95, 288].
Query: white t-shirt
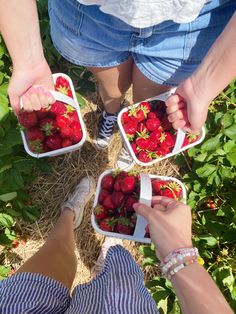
[145, 13]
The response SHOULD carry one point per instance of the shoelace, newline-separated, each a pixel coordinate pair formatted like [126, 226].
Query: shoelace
[107, 125]
[124, 155]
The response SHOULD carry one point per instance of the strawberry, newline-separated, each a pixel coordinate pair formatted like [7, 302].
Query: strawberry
[152, 115]
[142, 128]
[158, 185]
[76, 136]
[142, 143]
[102, 195]
[168, 193]
[124, 226]
[176, 188]
[137, 113]
[35, 133]
[167, 140]
[53, 142]
[108, 224]
[117, 198]
[161, 151]
[48, 126]
[108, 204]
[152, 146]
[62, 121]
[75, 126]
[37, 146]
[130, 129]
[73, 116]
[146, 106]
[15, 243]
[128, 184]
[42, 113]
[189, 138]
[122, 175]
[125, 118]
[107, 182]
[155, 136]
[117, 187]
[61, 81]
[66, 142]
[65, 132]
[144, 156]
[153, 124]
[28, 119]
[100, 212]
[58, 108]
[135, 148]
[69, 93]
[130, 202]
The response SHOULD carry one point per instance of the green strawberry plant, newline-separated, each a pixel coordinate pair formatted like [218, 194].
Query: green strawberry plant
[211, 182]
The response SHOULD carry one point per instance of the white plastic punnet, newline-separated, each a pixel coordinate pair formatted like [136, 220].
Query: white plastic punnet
[145, 197]
[69, 101]
[179, 138]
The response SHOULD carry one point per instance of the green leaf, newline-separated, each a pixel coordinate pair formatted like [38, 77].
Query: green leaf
[30, 213]
[210, 241]
[201, 157]
[8, 196]
[160, 295]
[227, 120]
[148, 261]
[81, 100]
[6, 220]
[226, 172]
[212, 144]
[231, 157]
[4, 109]
[231, 132]
[229, 145]
[206, 170]
[4, 271]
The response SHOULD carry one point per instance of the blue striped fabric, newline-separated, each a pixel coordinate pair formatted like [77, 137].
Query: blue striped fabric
[118, 289]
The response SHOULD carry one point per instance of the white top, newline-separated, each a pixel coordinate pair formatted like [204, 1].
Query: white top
[145, 13]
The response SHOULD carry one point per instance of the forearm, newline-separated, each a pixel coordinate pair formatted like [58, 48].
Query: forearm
[218, 68]
[197, 292]
[19, 26]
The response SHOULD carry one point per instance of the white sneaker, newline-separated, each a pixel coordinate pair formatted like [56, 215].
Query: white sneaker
[98, 266]
[106, 129]
[77, 200]
[124, 161]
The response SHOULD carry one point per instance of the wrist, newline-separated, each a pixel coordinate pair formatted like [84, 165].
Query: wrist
[31, 60]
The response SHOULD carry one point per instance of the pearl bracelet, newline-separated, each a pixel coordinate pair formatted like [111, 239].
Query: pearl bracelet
[179, 267]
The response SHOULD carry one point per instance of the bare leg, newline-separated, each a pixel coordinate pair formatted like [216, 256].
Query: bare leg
[144, 88]
[113, 84]
[56, 258]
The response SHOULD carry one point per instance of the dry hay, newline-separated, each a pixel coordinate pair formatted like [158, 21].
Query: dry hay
[51, 189]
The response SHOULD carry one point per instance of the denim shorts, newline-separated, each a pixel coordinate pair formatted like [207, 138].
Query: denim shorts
[166, 53]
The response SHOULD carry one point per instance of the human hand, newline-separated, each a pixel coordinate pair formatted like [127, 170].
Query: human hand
[169, 224]
[31, 82]
[187, 108]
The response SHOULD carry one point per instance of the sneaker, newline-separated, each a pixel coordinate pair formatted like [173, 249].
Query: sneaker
[106, 128]
[98, 266]
[77, 200]
[124, 161]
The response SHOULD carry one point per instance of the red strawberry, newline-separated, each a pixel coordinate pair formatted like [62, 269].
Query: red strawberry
[117, 184]
[61, 81]
[48, 126]
[144, 157]
[142, 128]
[189, 138]
[122, 175]
[69, 93]
[53, 142]
[130, 202]
[107, 182]
[62, 121]
[152, 146]
[58, 108]
[130, 129]
[75, 126]
[168, 140]
[124, 226]
[102, 195]
[66, 142]
[135, 148]
[117, 198]
[145, 105]
[168, 193]
[76, 136]
[73, 116]
[37, 147]
[153, 124]
[176, 188]
[125, 117]
[35, 133]
[100, 212]
[155, 136]
[142, 143]
[66, 132]
[108, 204]
[152, 115]
[28, 119]
[128, 184]
[42, 113]
[161, 151]
[158, 185]
[108, 224]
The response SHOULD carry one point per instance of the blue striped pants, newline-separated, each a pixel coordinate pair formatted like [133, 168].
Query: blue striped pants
[118, 289]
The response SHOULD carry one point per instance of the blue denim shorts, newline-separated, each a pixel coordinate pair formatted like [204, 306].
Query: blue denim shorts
[166, 53]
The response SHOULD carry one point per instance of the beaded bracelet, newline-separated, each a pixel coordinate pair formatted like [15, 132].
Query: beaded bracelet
[179, 267]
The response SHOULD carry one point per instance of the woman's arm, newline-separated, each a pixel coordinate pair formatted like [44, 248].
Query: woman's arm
[19, 26]
[215, 72]
[170, 229]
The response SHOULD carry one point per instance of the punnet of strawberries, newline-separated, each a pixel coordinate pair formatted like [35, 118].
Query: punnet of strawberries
[54, 127]
[118, 192]
[149, 131]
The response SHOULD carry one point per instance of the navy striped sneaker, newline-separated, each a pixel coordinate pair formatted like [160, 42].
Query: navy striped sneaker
[106, 129]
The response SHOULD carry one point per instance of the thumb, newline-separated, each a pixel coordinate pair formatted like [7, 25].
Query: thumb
[143, 210]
